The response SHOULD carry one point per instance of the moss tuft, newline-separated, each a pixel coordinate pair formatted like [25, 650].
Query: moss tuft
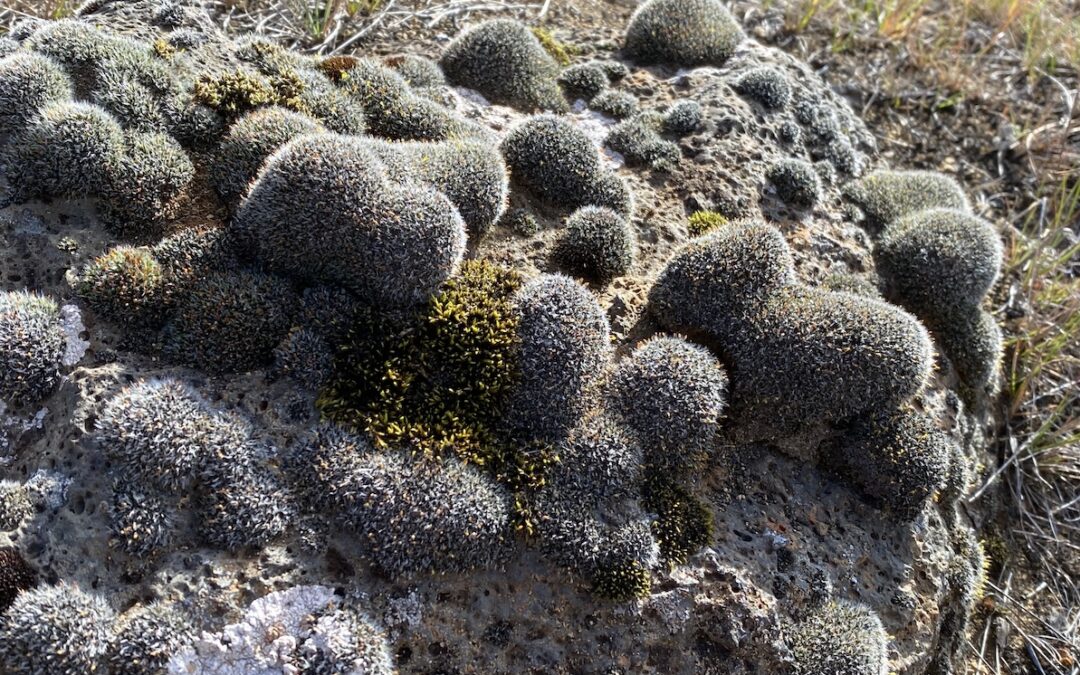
[230, 321]
[558, 163]
[767, 86]
[614, 103]
[796, 355]
[703, 222]
[28, 82]
[897, 459]
[683, 525]
[939, 260]
[32, 344]
[887, 196]
[683, 118]
[58, 630]
[584, 80]
[639, 141]
[796, 182]
[839, 638]
[622, 581]
[249, 141]
[125, 284]
[16, 576]
[682, 33]
[504, 61]
[598, 244]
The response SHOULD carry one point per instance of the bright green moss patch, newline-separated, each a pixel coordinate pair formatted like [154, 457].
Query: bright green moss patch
[702, 222]
[683, 524]
[436, 380]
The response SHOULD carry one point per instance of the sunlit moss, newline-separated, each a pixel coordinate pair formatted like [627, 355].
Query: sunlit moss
[436, 380]
[702, 222]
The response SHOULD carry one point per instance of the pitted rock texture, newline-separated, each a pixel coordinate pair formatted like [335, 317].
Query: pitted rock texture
[786, 535]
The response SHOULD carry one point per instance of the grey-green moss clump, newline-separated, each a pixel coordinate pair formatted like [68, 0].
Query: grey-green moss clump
[558, 163]
[796, 355]
[145, 183]
[392, 110]
[938, 260]
[615, 560]
[614, 103]
[54, 630]
[598, 244]
[417, 71]
[27, 83]
[125, 284]
[584, 80]
[856, 284]
[940, 264]
[767, 86]
[522, 223]
[971, 338]
[683, 118]
[471, 174]
[672, 393]
[504, 61]
[565, 344]
[160, 432]
[243, 503]
[324, 208]
[839, 638]
[600, 466]
[639, 141]
[415, 514]
[68, 150]
[230, 321]
[305, 356]
[249, 141]
[897, 459]
[32, 345]
[682, 33]
[132, 103]
[886, 196]
[141, 522]
[146, 636]
[796, 182]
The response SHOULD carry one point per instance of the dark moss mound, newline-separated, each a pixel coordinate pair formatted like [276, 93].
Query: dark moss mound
[230, 321]
[898, 460]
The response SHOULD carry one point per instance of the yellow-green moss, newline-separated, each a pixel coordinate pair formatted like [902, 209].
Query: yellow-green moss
[702, 222]
[435, 381]
[163, 49]
[559, 51]
[235, 93]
